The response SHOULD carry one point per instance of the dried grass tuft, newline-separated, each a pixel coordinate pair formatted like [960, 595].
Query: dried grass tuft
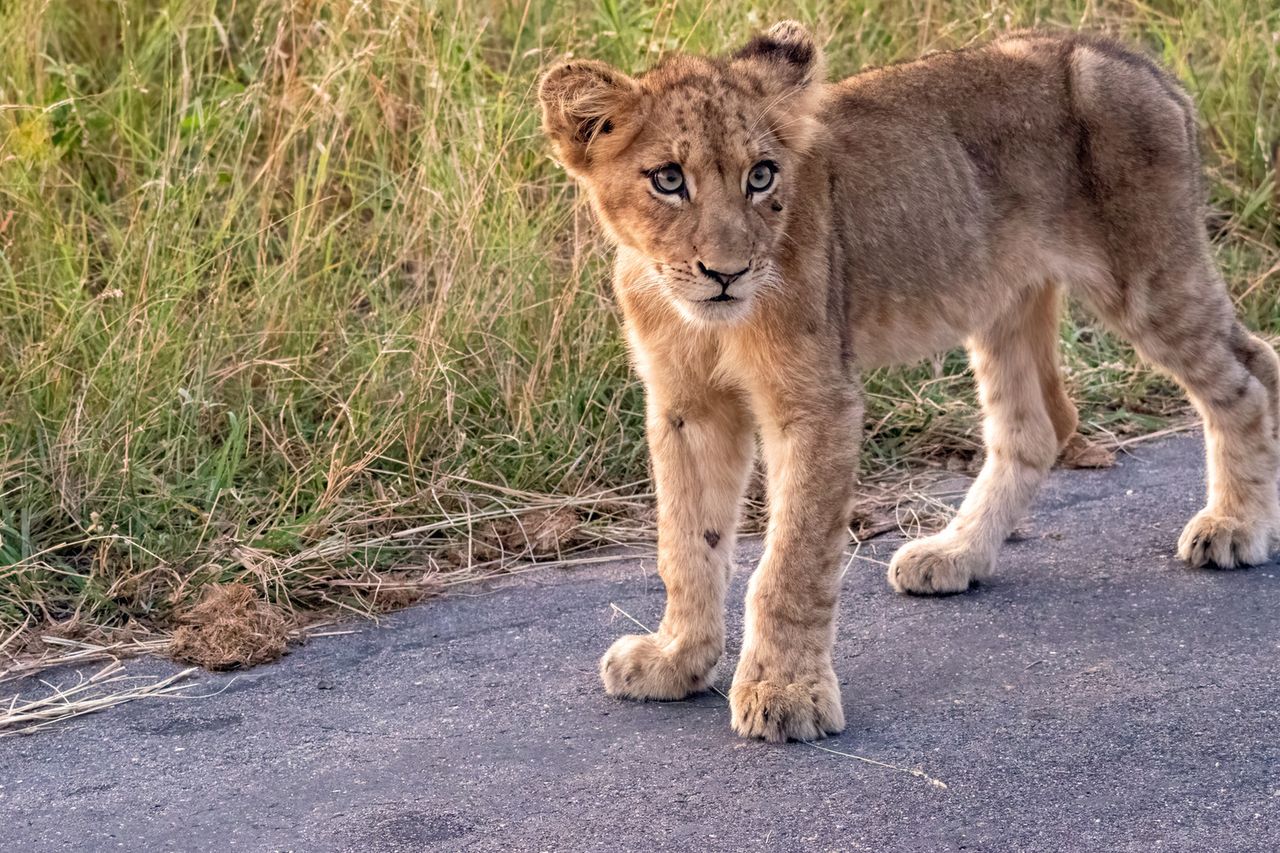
[1080, 452]
[538, 534]
[231, 627]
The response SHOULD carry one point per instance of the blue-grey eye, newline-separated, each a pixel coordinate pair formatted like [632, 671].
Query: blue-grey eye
[669, 179]
[760, 178]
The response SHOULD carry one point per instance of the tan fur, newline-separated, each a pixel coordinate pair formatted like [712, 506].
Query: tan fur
[915, 207]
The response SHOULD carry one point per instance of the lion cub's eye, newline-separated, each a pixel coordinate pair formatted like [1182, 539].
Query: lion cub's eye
[760, 178]
[668, 179]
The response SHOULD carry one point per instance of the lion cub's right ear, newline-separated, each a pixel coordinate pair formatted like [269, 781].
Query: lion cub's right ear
[589, 111]
[787, 63]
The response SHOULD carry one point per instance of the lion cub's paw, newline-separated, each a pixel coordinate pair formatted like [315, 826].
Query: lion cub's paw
[1224, 542]
[639, 666]
[935, 565]
[803, 709]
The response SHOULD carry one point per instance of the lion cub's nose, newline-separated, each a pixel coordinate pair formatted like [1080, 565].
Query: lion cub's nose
[724, 279]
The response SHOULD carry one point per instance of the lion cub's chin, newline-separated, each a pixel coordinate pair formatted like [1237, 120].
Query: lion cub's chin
[708, 314]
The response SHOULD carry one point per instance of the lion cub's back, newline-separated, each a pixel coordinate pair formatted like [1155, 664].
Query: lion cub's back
[964, 175]
[1027, 112]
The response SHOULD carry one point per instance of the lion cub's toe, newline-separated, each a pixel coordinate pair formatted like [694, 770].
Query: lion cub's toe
[1223, 542]
[803, 709]
[640, 666]
[935, 566]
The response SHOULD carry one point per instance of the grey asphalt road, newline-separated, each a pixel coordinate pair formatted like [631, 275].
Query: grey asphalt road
[1094, 695]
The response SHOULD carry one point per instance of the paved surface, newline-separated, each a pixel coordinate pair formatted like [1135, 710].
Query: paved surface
[1094, 695]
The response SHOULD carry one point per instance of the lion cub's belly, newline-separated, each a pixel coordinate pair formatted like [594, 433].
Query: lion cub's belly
[905, 320]
[904, 337]
[902, 328]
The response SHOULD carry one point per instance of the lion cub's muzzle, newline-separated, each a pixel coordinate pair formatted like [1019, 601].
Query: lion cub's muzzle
[713, 295]
[724, 279]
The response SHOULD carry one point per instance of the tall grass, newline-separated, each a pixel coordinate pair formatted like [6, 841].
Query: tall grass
[278, 277]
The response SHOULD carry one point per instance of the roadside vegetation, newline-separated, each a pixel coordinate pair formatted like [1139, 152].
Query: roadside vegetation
[292, 297]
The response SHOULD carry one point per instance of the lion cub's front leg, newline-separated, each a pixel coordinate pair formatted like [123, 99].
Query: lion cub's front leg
[785, 687]
[700, 441]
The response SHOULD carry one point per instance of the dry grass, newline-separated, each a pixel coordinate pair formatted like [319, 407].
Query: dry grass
[106, 688]
[49, 652]
[231, 627]
[293, 297]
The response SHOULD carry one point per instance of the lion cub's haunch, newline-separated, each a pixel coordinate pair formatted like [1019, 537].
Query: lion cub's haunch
[777, 234]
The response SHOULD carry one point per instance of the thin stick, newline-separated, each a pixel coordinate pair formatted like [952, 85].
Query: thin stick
[639, 624]
[1151, 436]
[919, 774]
[18, 632]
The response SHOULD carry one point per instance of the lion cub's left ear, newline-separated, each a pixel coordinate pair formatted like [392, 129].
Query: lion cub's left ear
[789, 66]
[590, 111]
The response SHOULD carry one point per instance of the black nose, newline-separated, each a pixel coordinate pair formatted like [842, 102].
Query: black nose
[723, 278]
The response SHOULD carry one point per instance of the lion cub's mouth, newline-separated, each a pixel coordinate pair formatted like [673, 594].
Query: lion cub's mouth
[724, 297]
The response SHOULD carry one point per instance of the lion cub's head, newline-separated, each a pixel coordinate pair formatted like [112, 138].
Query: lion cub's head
[692, 164]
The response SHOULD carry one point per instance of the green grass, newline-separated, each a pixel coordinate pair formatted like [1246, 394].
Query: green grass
[278, 280]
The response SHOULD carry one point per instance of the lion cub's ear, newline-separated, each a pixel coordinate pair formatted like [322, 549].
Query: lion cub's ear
[589, 111]
[789, 65]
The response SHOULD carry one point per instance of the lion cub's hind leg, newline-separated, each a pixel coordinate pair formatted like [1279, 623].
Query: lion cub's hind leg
[1189, 329]
[1027, 418]
[1241, 521]
[1143, 189]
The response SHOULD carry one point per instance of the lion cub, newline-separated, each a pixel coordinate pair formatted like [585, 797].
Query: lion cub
[778, 234]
